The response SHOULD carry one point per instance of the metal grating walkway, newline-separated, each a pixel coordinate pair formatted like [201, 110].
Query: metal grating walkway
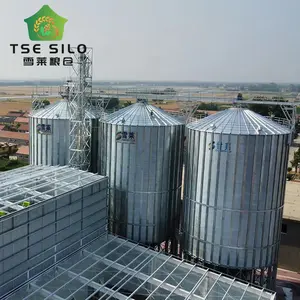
[115, 268]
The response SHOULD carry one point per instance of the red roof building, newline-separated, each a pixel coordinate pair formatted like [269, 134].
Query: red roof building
[23, 128]
[23, 150]
[14, 137]
[21, 120]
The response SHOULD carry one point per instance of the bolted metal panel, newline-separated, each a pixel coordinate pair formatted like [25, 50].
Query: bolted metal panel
[50, 145]
[51, 149]
[145, 171]
[235, 178]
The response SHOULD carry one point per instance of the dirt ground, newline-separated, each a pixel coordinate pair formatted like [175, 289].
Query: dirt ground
[169, 105]
[16, 90]
[24, 90]
[25, 105]
[5, 107]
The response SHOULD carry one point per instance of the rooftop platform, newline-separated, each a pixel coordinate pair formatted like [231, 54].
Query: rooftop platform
[30, 185]
[291, 210]
[115, 268]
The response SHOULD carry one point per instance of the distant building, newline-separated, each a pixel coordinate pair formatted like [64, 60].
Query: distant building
[8, 120]
[22, 120]
[23, 128]
[15, 114]
[289, 253]
[18, 138]
[23, 153]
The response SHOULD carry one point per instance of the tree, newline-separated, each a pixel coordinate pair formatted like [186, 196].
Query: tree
[46, 102]
[260, 109]
[112, 103]
[296, 161]
[207, 106]
[127, 103]
[268, 110]
[239, 96]
[41, 103]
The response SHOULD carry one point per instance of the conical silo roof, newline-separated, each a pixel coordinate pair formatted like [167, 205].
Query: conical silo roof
[238, 121]
[142, 114]
[58, 110]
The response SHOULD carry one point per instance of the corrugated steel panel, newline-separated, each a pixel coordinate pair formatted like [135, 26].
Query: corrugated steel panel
[143, 158]
[52, 147]
[234, 189]
[238, 121]
[58, 110]
[142, 114]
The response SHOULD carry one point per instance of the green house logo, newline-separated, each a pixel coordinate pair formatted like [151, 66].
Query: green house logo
[46, 25]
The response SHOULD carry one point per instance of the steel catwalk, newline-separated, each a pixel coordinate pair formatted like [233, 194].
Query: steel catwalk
[114, 268]
[235, 177]
[50, 135]
[141, 151]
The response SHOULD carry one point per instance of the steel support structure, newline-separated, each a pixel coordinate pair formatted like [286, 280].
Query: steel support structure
[80, 125]
[264, 276]
[39, 95]
[189, 102]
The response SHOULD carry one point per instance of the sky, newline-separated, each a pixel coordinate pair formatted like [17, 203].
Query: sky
[165, 40]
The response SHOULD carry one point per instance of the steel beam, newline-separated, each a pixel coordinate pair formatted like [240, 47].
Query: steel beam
[141, 276]
[93, 284]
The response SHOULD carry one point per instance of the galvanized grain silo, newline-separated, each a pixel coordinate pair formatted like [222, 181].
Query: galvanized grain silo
[141, 150]
[234, 187]
[50, 135]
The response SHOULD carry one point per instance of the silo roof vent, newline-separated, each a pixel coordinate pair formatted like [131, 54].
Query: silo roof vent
[258, 130]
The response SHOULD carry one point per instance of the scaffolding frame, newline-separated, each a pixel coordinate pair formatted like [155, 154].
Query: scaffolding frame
[80, 125]
[189, 101]
[40, 94]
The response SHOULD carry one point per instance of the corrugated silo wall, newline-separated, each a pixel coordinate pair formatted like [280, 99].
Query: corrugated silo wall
[33, 239]
[234, 197]
[145, 180]
[51, 148]
[94, 146]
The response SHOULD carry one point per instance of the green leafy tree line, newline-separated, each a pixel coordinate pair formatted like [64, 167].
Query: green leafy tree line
[296, 161]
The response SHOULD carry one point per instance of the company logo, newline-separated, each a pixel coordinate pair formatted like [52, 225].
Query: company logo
[220, 147]
[45, 25]
[126, 137]
[44, 128]
[118, 136]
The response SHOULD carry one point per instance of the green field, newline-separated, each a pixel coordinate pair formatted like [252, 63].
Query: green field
[6, 164]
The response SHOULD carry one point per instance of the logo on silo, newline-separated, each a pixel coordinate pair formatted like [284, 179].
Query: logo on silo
[118, 136]
[44, 129]
[220, 147]
[126, 137]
